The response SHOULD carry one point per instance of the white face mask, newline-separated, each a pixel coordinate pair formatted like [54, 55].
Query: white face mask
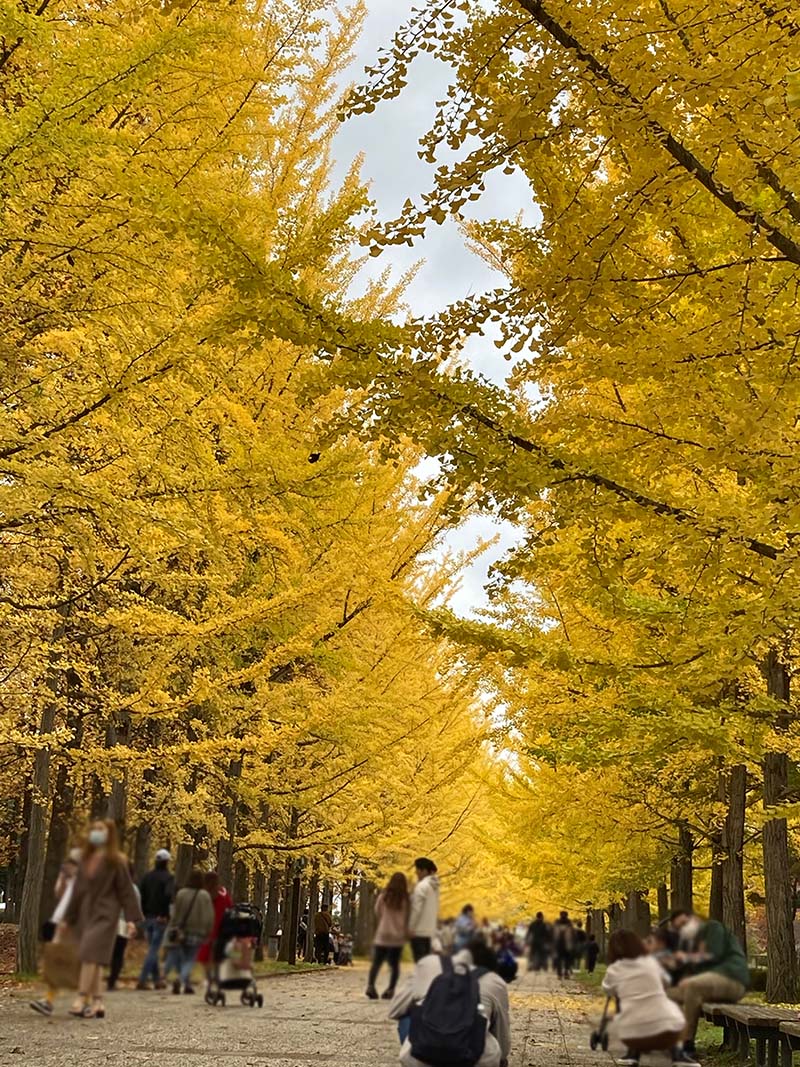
[691, 929]
[98, 837]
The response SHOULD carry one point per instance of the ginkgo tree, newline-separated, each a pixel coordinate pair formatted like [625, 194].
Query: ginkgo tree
[654, 308]
[211, 612]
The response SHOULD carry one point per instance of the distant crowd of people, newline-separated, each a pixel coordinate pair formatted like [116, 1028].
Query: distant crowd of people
[454, 1004]
[564, 945]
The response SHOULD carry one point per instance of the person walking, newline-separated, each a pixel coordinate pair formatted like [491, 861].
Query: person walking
[720, 972]
[191, 922]
[424, 913]
[121, 943]
[592, 952]
[102, 889]
[157, 890]
[466, 928]
[323, 924]
[392, 910]
[57, 930]
[222, 900]
[563, 944]
[647, 1020]
[539, 939]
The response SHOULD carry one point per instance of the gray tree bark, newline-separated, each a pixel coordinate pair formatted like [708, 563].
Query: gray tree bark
[778, 888]
[733, 863]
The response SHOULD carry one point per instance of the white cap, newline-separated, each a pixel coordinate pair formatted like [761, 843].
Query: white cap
[163, 854]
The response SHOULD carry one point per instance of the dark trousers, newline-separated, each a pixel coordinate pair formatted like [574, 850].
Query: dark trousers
[539, 958]
[384, 954]
[117, 960]
[420, 946]
[322, 947]
[563, 963]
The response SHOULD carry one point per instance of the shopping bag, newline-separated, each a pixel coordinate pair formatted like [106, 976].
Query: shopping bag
[61, 964]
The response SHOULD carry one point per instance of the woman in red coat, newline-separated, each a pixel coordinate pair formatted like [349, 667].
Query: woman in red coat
[221, 899]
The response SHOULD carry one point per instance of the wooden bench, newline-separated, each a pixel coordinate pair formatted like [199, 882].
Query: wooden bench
[790, 1041]
[755, 1022]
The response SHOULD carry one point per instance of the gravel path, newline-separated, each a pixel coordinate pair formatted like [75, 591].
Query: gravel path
[316, 1018]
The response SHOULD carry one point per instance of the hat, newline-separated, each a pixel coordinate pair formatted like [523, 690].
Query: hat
[163, 854]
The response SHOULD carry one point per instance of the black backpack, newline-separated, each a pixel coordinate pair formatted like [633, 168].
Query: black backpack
[447, 1028]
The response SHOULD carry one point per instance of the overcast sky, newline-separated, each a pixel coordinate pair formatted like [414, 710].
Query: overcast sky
[388, 140]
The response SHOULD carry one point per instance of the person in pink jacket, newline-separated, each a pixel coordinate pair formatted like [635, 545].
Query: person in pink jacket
[391, 908]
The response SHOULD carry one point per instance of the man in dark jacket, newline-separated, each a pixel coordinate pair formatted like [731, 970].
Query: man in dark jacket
[157, 890]
[323, 924]
[538, 939]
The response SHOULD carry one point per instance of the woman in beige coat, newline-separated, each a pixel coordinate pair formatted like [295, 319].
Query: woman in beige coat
[102, 890]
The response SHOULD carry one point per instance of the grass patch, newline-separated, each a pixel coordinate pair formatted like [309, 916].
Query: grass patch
[267, 967]
[591, 981]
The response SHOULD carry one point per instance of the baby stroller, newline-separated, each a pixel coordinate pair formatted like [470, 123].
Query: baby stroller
[599, 1038]
[232, 953]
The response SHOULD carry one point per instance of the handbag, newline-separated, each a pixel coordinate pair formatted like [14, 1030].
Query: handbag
[61, 967]
[176, 935]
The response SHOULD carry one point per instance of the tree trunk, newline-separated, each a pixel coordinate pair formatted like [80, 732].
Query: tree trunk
[289, 924]
[637, 914]
[259, 899]
[598, 928]
[347, 909]
[717, 876]
[28, 929]
[681, 872]
[313, 908]
[614, 918]
[273, 901]
[733, 862]
[57, 840]
[230, 812]
[21, 859]
[286, 898]
[663, 902]
[366, 912]
[781, 955]
[241, 882]
[184, 861]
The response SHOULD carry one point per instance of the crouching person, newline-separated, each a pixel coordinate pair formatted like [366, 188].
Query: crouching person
[648, 1021]
[454, 1009]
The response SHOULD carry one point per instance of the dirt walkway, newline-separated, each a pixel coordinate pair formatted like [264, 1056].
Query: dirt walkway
[322, 1019]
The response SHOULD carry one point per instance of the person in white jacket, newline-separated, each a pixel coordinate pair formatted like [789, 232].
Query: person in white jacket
[423, 916]
[648, 1020]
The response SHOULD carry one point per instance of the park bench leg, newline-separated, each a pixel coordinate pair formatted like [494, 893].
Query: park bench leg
[744, 1043]
[786, 1053]
[773, 1043]
[761, 1051]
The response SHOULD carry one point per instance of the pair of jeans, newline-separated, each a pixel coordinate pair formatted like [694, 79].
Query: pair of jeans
[154, 932]
[180, 958]
[707, 986]
[385, 954]
[420, 946]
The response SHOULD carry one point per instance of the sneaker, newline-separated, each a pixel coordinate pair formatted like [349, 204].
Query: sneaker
[684, 1058]
[189, 989]
[387, 994]
[629, 1059]
[161, 984]
[44, 1007]
[372, 993]
[142, 985]
[176, 986]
